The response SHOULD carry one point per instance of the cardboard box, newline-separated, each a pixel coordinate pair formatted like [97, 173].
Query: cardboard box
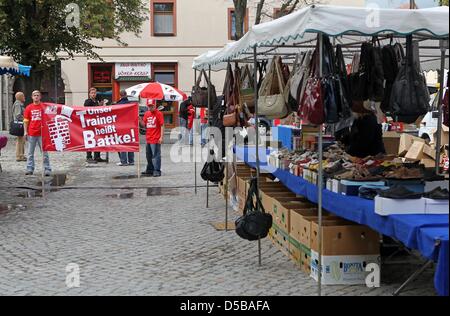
[428, 162]
[344, 238]
[391, 142]
[342, 270]
[444, 136]
[429, 151]
[296, 217]
[281, 210]
[305, 227]
[281, 238]
[436, 206]
[300, 255]
[406, 141]
[267, 199]
[306, 262]
[386, 207]
[415, 152]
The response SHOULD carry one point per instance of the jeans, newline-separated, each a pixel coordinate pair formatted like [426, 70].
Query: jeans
[127, 158]
[34, 141]
[191, 136]
[183, 131]
[154, 159]
[203, 129]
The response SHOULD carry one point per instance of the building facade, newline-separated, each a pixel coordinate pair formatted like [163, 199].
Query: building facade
[175, 32]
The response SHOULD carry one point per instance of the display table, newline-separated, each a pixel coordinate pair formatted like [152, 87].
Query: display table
[429, 234]
[284, 135]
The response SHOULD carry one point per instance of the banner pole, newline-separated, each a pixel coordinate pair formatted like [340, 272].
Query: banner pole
[139, 162]
[43, 169]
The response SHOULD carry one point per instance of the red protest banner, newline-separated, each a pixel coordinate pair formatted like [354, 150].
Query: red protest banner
[82, 129]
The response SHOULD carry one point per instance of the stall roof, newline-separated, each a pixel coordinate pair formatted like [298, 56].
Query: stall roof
[334, 21]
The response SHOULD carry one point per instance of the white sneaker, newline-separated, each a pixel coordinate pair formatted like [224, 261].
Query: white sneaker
[121, 164]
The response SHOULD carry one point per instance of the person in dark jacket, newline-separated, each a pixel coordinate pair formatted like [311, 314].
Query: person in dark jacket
[184, 119]
[93, 102]
[366, 137]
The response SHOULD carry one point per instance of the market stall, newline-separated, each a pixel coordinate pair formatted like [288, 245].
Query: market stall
[347, 29]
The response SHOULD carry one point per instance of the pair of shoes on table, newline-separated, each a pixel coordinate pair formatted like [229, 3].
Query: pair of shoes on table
[437, 194]
[398, 192]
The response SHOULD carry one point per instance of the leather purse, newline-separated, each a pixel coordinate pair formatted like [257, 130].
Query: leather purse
[16, 128]
[312, 105]
[247, 89]
[213, 171]
[271, 102]
[200, 94]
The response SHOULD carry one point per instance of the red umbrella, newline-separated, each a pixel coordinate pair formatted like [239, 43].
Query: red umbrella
[157, 91]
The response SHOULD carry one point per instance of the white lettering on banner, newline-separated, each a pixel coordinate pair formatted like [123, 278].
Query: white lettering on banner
[91, 142]
[98, 120]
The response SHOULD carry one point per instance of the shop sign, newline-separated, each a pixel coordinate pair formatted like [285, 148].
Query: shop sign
[133, 70]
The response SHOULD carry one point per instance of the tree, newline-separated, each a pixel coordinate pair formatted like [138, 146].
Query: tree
[33, 32]
[240, 11]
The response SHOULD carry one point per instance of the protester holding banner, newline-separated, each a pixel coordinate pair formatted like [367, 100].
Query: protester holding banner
[126, 159]
[154, 122]
[93, 102]
[33, 133]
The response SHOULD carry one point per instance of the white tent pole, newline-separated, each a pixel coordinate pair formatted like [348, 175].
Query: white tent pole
[183, 132]
[209, 124]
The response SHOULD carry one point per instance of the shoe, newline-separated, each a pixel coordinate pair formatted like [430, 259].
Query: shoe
[122, 164]
[47, 174]
[100, 160]
[147, 174]
[29, 173]
[157, 175]
[91, 161]
[399, 192]
[131, 164]
[437, 194]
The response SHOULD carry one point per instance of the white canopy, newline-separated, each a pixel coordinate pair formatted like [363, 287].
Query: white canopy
[334, 21]
[8, 63]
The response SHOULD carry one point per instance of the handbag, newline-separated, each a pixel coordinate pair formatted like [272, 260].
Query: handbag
[230, 120]
[16, 128]
[200, 94]
[344, 100]
[271, 102]
[213, 171]
[312, 105]
[330, 83]
[254, 224]
[247, 89]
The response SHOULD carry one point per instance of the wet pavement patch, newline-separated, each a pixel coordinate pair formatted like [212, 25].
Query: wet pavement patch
[57, 180]
[161, 191]
[125, 177]
[121, 196]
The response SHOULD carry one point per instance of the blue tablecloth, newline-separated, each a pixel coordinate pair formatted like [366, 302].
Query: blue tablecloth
[429, 234]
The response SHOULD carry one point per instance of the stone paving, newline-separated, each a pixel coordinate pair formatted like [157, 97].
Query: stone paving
[137, 242]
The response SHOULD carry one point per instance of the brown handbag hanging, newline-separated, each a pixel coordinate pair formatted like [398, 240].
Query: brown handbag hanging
[200, 94]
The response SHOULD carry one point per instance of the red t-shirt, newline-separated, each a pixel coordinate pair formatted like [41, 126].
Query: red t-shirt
[153, 121]
[33, 114]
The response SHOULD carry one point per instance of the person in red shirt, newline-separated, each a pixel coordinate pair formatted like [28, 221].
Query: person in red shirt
[33, 133]
[153, 121]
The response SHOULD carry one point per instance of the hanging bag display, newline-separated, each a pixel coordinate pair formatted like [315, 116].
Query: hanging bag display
[343, 89]
[213, 171]
[271, 102]
[330, 83]
[312, 107]
[247, 89]
[254, 224]
[410, 97]
[200, 94]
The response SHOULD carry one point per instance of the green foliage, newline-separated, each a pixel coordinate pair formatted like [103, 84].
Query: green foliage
[34, 31]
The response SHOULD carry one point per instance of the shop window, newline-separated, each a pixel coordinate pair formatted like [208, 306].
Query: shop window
[101, 77]
[167, 74]
[163, 17]
[232, 24]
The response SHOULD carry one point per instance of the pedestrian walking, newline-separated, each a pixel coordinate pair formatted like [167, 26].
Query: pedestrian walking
[154, 122]
[126, 159]
[93, 102]
[33, 133]
[18, 110]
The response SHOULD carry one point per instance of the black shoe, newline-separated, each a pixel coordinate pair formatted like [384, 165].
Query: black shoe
[91, 161]
[157, 175]
[437, 194]
[29, 173]
[399, 192]
[100, 160]
[147, 174]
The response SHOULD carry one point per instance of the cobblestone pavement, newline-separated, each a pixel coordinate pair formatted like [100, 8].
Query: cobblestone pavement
[138, 242]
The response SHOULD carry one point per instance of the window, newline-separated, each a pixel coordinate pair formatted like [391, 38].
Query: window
[232, 24]
[277, 13]
[163, 17]
[101, 77]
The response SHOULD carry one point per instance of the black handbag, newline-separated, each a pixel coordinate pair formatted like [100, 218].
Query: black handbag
[213, 171]
[410, 97]
[254, 224]
[16, 128]
[329, 84]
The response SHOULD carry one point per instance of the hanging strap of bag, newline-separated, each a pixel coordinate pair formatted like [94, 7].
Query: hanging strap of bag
[253, 191]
